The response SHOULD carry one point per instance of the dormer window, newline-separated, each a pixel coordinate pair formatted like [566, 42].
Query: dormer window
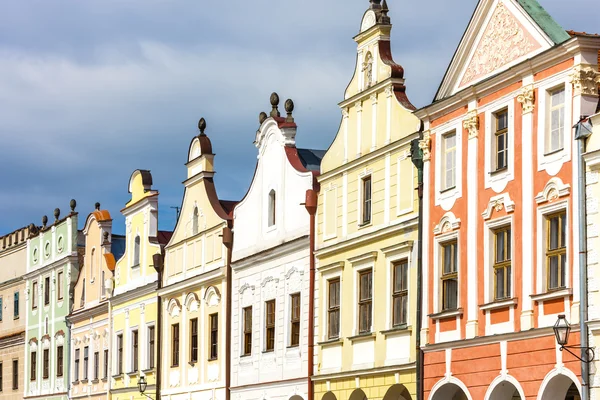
[136, 251]
[272, 208]
[195, 222]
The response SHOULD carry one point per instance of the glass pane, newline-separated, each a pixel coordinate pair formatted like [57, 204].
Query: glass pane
[447, 258]
[563, 262]
[508, 245]
[397, 310]
[500, 283]
[553, 271]
[500, 246]
[508, 281]
[554, 233]
[450, 294]
[563, 230]
[404, 276]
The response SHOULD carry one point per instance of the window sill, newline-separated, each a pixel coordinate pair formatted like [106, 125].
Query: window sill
[555, 294]
[73, 383]
[447, 314]
[396, 330]
[84, 381]
[248, 355]
[331, 342]
[118, 376]
[16, 318]
[497, 304]
[132, 373]
[293, 346]
[362, 336]
[365, 224]
[212, 359]
[95, 381]
[268, 351]
[148, 371]
[449, 189]
[498, 171]
[104, 379]
[553, 152]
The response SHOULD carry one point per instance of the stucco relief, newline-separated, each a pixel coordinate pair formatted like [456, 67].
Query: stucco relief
[174, 378]
[246, 295]
[368, 21]
[425, 146]
[585, 80]
[192, 375]
[554, 189]
[504, 40]
[471, 123]
[269, 287]
[192, 302]
[213, 372]
[294, 280]
[174, 308]
[527, 99]
[212, 297]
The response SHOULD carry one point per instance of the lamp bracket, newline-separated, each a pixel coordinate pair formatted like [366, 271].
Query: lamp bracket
[589, 351]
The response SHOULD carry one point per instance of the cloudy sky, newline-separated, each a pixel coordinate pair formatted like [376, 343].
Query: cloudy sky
[92, 90]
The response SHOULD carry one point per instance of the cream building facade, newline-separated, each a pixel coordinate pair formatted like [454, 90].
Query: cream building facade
[194, 292]
[367, 224]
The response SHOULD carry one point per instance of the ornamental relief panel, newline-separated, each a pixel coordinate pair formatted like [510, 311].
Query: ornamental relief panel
[504, 40]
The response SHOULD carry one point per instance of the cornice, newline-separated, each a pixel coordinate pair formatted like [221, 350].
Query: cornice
[82, 315]
[134, 293]
[192, 282]
[73, 258]
[150, 200]
[361, 372]
[370, 91]
[271, 253]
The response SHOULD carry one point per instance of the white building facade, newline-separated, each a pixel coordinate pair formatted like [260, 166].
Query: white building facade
[270, 268]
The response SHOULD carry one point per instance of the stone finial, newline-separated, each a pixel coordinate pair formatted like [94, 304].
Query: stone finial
[105, 237]
[202, 126]
[274, 103]
[97, 206]
[56, 214]
[44, 221]
[73, 204]
[375, 3]
[262, 117]
[289, 108]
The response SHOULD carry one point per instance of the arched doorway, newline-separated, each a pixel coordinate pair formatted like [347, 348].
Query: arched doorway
[358, 394]
[560, 387]
[329, 396]
[505, 390]
[296, 397]
[449, 391]
[397, 392]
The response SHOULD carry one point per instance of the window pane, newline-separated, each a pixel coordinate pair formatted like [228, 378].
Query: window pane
[553, 271]
[508, 281]
[554, 229]
[500, 283]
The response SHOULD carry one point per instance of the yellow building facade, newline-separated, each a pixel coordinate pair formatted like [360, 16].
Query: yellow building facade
[134, 305]
[367, 220]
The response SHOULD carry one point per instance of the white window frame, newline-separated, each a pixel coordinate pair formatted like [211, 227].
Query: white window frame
[488, 256]
[266, 208]
[328, 274]
[438, 241]
[130, 348]
[147, 345]
[359, 208]
[364, 263]
[446, 197]
[497, 180]
[393, 254]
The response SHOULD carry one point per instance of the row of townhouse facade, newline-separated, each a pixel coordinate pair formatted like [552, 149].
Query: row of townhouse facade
[427, 254]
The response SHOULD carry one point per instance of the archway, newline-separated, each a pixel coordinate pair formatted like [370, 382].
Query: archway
[397, 392]
[296, 397]
[449, 391]
[560, 387]
[329, 396]
[358, 394]
[505, 390]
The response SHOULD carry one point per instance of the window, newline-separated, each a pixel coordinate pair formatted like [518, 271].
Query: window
[96, 364]
[556, 250]
[2, 373]
[16, 306]
[102, 286]
[449, 276]
[92, 256]
[247, 315]
[46, 363]
[34, 295]
[214, 336]
[174, 345]
[134, 351]
[59, 285]
[272, 209]
[448, 161]
[295, 319]
[502, 264]
[136, 252]
[270, 325]
[0, 312]
[400, 293]
[333, 308]
[150, 347]
[47, 291]
[501, 140]
[366, 199]
[556, 121]
[105, 363]
[33, 366]
[15, 375]
[194, 340]
[86, 354]
[59, 361]
[365, 301]
[195, 222]
[119, 354]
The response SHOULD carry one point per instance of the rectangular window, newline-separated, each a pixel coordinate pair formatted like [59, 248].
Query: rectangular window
[150, 347]
[15, 375]
[270, 325]
[556, 120]
[46, 364]
[76, 372]
[501, 140]
[0, 313]
[134, 351]
[502, 264]
[214, 336]
[47, 290]
[365, 301]
[2, 373]
[174, 345]
[59, 361]
[556, 250]
[247, 315]
[119, 354]
[16, 306]
[333, 309]
[33, 366]
[102, 287]
[400, 293]
[86, 364]
[295, 319]
[34, 295]
[59, 285]
[449, 276]
[194, 340]
[448, 166]
[105, 364]
[96, 364]
[366, 200]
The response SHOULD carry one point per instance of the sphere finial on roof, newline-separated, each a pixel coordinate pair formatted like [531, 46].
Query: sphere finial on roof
[202, 125]
[56, 213]
[73, 204]
[274, 103]
[262, 117]
[97, 206]
[44, 221]
[289, 108]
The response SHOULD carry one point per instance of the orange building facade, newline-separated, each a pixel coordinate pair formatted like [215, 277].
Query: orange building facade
[500, 255]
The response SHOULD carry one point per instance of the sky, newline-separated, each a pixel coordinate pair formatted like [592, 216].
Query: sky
[92, 90]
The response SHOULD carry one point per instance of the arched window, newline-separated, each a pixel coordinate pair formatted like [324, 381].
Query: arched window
[272, 208]
[136, 251]
[195, 222]
[92, 256]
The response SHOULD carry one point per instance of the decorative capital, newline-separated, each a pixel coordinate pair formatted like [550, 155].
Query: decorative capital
[373, 98]
[585, 80]
[345, 113]
[358, 106]
[389, 91]
[425, 146]
[527, 99]
[471, 124]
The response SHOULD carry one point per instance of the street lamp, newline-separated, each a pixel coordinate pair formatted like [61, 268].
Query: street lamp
[562, 329]
[142, 384]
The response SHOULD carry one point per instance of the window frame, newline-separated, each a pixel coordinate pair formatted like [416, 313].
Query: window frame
[106, 360]
[60, 360]
[498, 132]
[401, 293]
[119, 358]
[366, 199]
[59, 286]
[444, 154]
[247, 325]
[34, 295]
[15, 375]
[86, 362]
[33, 366]
[151, 331]
[16, 300]
[548, 150]
[270, 337]
[272, 209]
[194, 349]
[135, 350]
[334, 309]
[295, 317]
[449, 276]
[76, 361]
[214, 336]
[505, 264]
[175, 345]
[365, 303]
[559, 252]
[46, 290]
[96, 365]
[137, 244]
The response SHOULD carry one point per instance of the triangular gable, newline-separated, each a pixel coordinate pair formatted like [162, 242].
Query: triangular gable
[501, 33]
